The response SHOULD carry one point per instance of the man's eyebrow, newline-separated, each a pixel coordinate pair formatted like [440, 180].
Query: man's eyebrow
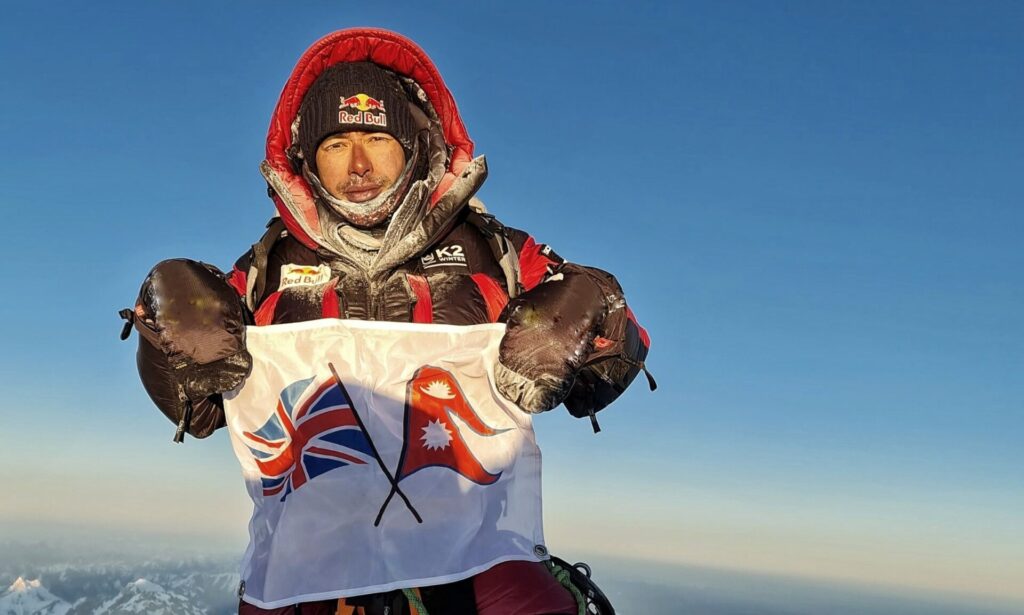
[335, 139]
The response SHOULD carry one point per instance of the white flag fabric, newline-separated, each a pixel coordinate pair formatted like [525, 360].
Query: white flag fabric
[407, 469]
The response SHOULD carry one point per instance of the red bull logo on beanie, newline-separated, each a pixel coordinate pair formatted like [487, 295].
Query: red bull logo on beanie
[362, 109]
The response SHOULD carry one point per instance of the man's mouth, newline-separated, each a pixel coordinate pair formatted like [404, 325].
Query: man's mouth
[361, 192]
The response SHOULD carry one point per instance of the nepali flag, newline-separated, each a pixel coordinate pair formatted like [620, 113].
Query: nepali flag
[431, 439]
[313, 430]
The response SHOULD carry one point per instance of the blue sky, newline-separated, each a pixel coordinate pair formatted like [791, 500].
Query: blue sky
[814, 208]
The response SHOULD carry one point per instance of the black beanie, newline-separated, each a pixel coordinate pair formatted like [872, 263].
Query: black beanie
[353, 96]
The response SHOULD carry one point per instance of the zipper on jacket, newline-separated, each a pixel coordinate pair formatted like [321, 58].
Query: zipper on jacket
[328, 256]
[371, 304]
[376, 308]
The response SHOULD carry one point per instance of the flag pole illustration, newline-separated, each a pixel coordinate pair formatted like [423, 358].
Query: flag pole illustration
[430, 438]
[373, 449]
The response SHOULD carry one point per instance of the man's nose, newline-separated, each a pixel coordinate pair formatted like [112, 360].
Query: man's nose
[359, 164]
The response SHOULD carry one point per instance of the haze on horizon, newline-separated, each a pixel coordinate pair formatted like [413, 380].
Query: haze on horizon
[80, 566]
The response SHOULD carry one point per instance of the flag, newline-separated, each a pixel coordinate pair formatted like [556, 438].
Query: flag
[431, 437]
[312, 430]
[379, 456]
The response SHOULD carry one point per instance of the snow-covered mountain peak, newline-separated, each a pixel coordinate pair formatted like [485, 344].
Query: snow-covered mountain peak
[144, 596]
[25, 597]
[142, 585]
[158, 587]
[22, 585]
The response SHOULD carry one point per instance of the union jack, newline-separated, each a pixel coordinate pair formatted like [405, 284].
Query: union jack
[313, 430]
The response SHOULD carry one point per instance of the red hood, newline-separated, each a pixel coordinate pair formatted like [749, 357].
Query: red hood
[388, 49]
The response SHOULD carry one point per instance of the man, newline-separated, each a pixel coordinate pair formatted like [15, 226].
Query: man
[372, 174]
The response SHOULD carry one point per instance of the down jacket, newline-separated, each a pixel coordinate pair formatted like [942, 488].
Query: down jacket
[441, 260]
[439, 265]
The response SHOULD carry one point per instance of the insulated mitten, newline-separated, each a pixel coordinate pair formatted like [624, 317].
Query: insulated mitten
[551, 330]
[198, 323]
[192, 340]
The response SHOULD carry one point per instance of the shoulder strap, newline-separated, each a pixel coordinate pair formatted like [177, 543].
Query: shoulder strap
[497, 237]
[256, 280]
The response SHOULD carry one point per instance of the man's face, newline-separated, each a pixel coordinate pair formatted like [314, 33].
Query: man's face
[358, 166]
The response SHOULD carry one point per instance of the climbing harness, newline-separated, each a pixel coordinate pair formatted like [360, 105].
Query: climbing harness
[576, 578]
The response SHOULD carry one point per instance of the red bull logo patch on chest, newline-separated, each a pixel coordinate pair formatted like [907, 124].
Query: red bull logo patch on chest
[304, 275]
[362, 109]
